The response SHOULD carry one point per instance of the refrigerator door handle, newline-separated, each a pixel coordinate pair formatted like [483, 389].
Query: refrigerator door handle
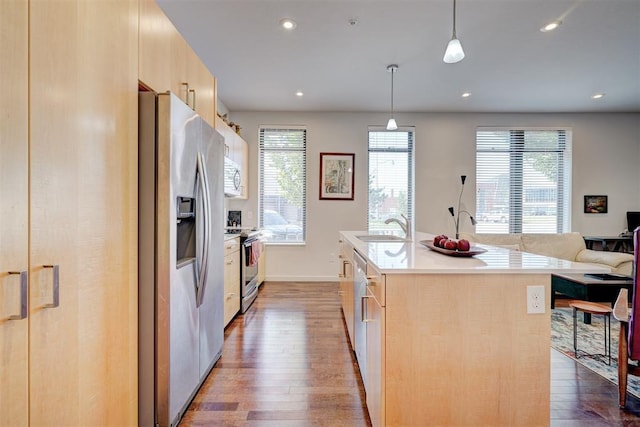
[208, 228]
[199, 261]
[204, 263]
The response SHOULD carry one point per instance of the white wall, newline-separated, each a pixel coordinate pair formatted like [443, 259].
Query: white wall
[606, 154]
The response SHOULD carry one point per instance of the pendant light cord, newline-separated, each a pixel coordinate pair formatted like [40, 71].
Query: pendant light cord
[392, 72]
[391, 125]
[454, 19]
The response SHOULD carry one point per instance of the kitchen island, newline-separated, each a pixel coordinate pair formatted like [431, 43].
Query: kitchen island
[449, 340]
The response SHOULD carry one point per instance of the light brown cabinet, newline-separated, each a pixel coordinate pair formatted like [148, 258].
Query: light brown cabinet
[242, 157]
[437, 331]
[346, 287]
[374, 313]
[83, 212]
[14, 212]
[156, 35]
[231, 279]
[236, 149]
[430, 336]
[191, 80]
[167, 62]
[80, 362]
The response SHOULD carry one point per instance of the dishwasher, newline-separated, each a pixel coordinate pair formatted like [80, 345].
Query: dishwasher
[360, 326]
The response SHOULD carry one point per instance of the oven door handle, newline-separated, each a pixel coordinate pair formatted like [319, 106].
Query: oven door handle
[248, 247]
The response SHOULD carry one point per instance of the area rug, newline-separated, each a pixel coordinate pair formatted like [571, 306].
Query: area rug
[590, 340]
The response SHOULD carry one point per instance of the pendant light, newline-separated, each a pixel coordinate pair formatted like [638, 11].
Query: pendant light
[454, 52]
[391, 124]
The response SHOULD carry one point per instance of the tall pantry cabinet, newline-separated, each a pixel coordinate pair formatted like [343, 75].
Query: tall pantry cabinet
[14, 201]
[69, 206]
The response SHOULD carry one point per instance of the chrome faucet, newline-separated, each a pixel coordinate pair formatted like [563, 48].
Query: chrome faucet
[405, 226]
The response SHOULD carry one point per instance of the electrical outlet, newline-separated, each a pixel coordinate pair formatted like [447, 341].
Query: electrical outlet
[535, 299]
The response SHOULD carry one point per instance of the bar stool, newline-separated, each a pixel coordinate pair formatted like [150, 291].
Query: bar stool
[597, 309]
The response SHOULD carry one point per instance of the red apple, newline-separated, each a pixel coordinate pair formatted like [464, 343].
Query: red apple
[441, 238]
[464, 245]
[451, 245]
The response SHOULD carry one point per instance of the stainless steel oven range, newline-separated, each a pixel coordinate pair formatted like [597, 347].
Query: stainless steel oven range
[250, 247]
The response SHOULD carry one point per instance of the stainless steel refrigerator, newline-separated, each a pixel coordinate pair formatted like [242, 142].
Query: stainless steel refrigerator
[181, 163]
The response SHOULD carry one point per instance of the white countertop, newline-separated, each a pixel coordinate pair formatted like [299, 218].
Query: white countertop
[400, 257]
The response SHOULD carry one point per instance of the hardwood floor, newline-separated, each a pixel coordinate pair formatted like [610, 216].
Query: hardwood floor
[288, 362]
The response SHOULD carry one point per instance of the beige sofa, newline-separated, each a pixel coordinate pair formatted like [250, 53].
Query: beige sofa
[569, 246]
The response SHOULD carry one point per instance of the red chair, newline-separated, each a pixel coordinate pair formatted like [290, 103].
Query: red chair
[629, 343]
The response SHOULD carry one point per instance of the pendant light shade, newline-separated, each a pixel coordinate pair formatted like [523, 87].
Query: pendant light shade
[454, 52]
[391, 124]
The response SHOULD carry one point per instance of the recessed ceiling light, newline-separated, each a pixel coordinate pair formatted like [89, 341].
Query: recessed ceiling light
[288, 23]
[597, 96]
[466, 94]
[551, 26]
[299, 93]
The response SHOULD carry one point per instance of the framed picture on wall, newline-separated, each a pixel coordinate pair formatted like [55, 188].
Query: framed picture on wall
[595, 204]
[336, 176]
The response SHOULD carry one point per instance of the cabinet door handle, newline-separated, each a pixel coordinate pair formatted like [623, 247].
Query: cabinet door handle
[55, 269]
[186, 92]
[342, 273]
[193, 98]
[23, 296]
[364, 309]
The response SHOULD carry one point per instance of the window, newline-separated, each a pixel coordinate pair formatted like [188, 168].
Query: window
[523, 180]
[390, 177]
[282, 187]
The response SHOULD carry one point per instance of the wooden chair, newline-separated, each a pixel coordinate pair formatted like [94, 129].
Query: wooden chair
[629, 342]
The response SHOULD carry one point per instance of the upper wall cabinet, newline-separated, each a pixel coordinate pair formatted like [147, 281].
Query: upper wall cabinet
[155, 44]
[236, 149]
[167, 62]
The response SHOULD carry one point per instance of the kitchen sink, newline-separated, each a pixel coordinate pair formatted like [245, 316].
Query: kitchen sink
[381, 238]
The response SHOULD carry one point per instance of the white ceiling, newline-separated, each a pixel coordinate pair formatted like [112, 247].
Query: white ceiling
[510, 66]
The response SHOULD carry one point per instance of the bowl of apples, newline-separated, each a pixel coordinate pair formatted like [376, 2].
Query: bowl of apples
[452, 247]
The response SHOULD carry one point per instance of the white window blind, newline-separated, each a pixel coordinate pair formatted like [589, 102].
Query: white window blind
[523, 180]
[391, 183]
[282, 183]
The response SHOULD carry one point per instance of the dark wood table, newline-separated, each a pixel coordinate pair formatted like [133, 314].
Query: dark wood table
[581, 287]
[618, 243]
